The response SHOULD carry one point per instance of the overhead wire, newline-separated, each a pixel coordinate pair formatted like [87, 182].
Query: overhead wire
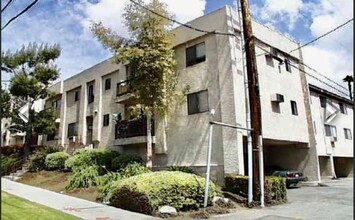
[7, 4]
[19, 14]
[323, 35]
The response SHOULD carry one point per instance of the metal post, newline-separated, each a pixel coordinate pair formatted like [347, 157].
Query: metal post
[208, 165]
[261, 169]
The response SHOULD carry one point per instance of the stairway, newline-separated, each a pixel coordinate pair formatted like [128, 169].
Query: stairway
[16, 174]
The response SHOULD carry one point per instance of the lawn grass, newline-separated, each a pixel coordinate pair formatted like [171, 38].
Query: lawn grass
[14, 207]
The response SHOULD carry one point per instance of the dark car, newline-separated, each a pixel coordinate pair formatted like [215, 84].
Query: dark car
[292, 177]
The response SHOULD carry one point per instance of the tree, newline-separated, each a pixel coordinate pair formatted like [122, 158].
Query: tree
[150, 55]
[33, 70]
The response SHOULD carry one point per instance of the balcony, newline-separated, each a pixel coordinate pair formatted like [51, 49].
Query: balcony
[132, 128]
[123, 91]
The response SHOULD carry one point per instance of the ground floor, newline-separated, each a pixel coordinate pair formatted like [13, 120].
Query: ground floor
[338, 166]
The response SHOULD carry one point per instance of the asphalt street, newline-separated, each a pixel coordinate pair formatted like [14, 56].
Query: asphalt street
[331, 202]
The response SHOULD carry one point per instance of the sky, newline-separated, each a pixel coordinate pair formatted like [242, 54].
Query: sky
[67, 23]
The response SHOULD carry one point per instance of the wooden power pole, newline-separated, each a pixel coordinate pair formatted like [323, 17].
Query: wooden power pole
[254, 96]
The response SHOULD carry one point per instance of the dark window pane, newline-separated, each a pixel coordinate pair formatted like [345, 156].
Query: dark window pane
[288, 65]
[323, 101]
[106, 120]
[192, 102]
[77, 95]
[195, 54]
[203, 101]
[294, 108]
[108, 84]
[328, 132]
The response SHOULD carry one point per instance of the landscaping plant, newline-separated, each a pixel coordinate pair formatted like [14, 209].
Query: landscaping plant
[56, 161]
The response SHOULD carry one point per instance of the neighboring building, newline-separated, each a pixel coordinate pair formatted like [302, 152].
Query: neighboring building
[333, 127]
[212, 67]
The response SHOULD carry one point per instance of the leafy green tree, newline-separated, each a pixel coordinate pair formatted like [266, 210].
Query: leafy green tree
[33, 70]
[149, 52]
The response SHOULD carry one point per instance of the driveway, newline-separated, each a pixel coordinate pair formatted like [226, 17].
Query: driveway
[331, 202]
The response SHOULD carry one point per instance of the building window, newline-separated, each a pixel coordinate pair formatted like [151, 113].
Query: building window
[347, 133]
[56, 104]
[288, 65]
[108, 84]
[342, 108]
[195, 54]
[294, 108]
[91, 93]
[76, 96]
[330, 131]
[72, 130]
[197, 102]
[106, 120]
[323, 101]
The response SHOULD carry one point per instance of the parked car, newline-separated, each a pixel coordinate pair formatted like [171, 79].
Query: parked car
[292, 177]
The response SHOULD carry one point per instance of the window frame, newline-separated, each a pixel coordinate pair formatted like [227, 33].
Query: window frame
[342, 108]
[198, 108]
[347, 134]
[107, 84]
[332, 129]
[106, 120]
[288, 65]
[91, 95]
[191, 54]
[76, 95]
[72, 129]
[294, 109]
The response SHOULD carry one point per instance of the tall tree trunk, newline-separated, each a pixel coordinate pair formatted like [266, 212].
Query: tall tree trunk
[149, 142]
[28, 130]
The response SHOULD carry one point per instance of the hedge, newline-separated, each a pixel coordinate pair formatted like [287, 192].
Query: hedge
[123, 160]
[38, 159]
[275, 187]
[84, 178]
[56, 160]
[88, 157]
[147, 192]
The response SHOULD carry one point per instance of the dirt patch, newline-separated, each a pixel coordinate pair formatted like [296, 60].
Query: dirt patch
[55, 181]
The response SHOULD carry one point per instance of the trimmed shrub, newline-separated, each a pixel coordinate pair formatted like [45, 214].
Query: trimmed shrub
[184, 169]
[56, 160]
[106, 182]
[88, 157]
[237, 184]
[134, 169]
[145, 193]
[37, 160]
[275, 187]
[84, 178]
[122, 161]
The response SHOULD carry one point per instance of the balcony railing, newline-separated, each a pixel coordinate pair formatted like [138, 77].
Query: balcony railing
[123, 88]
[132, 128]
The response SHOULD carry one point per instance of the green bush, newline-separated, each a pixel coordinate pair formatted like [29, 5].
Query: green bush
[122, 161]
[84, 178]
[38, 159]
[56, 160]
[134, 169]
[184, 169]
[106, 182]
[146, 192]
[88, 157]
[274, 188]
[6, 163]
[237, 184]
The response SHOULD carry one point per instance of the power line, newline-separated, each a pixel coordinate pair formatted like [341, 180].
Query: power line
[323, 35]
[7, 4]
[182, 24]
[310, 75]
[19, 14]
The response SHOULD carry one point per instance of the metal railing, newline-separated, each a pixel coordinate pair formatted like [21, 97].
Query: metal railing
[17, 165]
[132, 128]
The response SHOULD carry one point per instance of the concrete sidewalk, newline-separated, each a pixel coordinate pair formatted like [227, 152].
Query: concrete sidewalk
[78, 207]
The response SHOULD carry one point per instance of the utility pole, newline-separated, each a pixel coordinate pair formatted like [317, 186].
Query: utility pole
[349, 79]
[254, 96]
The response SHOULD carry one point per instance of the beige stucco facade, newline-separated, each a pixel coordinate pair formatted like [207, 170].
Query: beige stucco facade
[181, 138]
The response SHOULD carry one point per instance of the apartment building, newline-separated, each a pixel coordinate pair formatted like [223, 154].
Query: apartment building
[211, 65]
[333, 128]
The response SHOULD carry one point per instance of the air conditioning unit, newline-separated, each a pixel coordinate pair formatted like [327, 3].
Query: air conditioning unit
[72, 138]
[277, 98]
[333, 139]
